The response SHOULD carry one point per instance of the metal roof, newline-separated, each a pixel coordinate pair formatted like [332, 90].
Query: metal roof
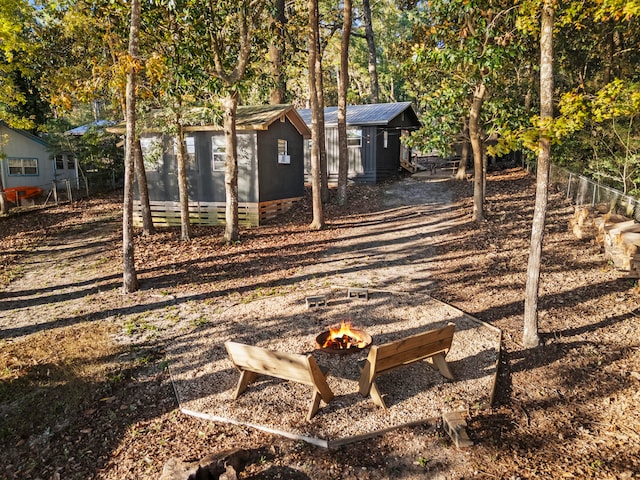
[365, 115]
[248, 117]
[82, 129]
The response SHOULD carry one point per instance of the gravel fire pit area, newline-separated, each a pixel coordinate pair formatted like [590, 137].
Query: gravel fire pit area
[205, 379]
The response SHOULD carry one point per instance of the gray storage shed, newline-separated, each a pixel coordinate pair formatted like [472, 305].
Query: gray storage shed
[373, 137]
[270, 167]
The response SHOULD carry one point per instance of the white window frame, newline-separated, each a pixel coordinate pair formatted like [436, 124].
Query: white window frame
[152, 150]
[190, 144]
[354, 137]
[218, 153]
[386, 139]
[283, 152]
[59, 159]
[20, 164]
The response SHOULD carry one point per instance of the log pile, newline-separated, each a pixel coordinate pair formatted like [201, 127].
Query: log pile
[617, 234]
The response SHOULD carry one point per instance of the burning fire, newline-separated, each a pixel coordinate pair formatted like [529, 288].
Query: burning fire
[341, 337]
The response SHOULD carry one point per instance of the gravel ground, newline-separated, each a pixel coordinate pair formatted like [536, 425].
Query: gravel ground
[205, 378]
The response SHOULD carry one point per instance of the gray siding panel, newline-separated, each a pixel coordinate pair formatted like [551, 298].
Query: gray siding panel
[279, 181]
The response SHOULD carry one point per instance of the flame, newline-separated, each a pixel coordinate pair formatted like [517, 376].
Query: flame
[343, 337]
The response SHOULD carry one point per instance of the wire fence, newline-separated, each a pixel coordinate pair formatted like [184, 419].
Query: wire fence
[582, 190]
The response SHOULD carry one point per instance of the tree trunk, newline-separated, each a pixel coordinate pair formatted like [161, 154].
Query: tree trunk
[324, 167]
[475, 135]
[143, 192]
[4, 206]
[130, 278]
[461, 174]
[316, 182]
[276, 53]
[343, 84]
[183, 184]
[371, 47]
[230, 105]
[530, 337]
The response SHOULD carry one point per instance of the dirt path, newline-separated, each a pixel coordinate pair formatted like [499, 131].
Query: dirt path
[60, 279]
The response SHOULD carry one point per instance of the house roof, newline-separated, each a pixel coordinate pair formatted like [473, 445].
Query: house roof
[82, 129]
[248, 117]
[365, 115]
[24, 133]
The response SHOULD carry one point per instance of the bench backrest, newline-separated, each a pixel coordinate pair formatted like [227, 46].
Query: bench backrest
[287, 366]
[410, 349]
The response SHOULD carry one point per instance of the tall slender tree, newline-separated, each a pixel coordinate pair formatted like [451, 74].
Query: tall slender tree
[316, 181]
[277, 46]
[373, 56]
[343, 85]
[130, 278]
[530, 337]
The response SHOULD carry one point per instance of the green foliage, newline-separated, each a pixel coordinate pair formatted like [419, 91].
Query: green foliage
[604, 138]
[16, 63]
[96, 150]
[454, 47]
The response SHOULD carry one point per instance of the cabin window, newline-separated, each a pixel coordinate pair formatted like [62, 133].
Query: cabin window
[22, 166]
[151, 152]
[386, 139]
[283, 152]
[71, 162]
[190, 144]
[59, 162]
[218, 153]
[354, 137]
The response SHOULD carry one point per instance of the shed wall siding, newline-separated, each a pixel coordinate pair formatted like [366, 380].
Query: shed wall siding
[278, 181]
[205, 185]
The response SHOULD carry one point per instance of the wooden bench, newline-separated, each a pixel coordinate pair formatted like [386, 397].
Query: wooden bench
[432, 345]
[255, 361]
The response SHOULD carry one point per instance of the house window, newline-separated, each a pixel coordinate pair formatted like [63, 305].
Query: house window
[22, 166]
[386, 139]
[59, 162]
[71, 162]
[190, 143]
[151, 152]
[218, 153]
[283, 153]
[354, 137]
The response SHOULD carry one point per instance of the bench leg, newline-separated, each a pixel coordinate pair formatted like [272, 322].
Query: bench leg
[246, 377]
[376, 397]
[442, 365]
[315, 404]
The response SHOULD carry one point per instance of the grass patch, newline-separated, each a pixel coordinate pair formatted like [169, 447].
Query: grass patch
[53, 373]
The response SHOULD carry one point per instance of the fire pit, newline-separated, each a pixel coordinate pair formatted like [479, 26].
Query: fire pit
[343, 339]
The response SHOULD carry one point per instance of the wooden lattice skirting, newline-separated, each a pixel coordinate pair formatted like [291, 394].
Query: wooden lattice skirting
[165, 214]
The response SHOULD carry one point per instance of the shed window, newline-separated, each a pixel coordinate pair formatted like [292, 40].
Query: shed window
[190, 144]
[71, 162]
[386, 139]
[151, 152]
[22, 166]
[354, 137]
[218, 153]
[59, 162]
[283, 152]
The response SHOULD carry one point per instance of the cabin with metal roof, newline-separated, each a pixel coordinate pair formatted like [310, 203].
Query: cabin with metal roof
[270, 166]
[373, 137]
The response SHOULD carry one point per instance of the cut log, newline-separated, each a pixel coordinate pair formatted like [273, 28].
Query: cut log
[220, 466]
[582, 223]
